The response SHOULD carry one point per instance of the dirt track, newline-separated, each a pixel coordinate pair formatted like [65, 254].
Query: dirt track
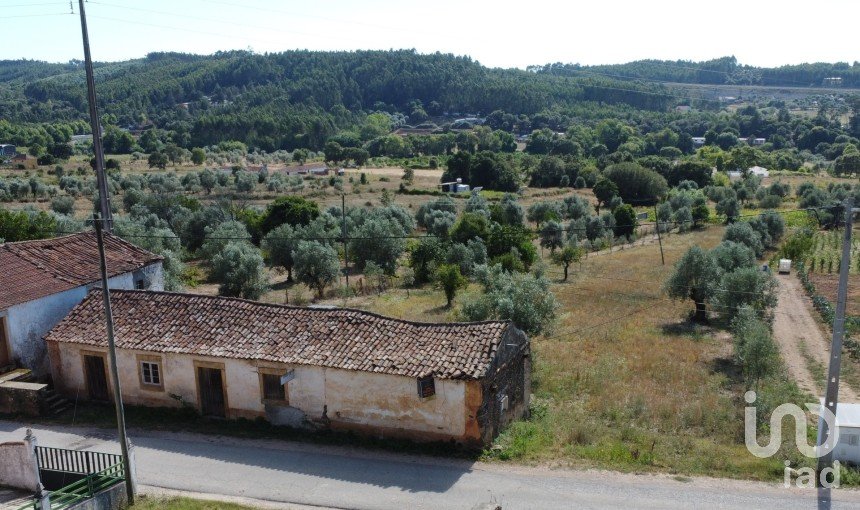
[797, 332]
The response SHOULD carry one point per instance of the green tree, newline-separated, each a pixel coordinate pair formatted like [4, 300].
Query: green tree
[471, 225]
[636, 184]
[605, 190]
[238, 268]
[292, 210]
[198, 156]
[523, 298]
[300, 156]
[568, 255]
[279, 245]
[625, 221]
[696, 276]
[425, 257]
[754, 347]
[448, 277]
[746, 286]
[219, 236]
[742, 232]
[157, 159]
[316, 265]
[552, 236]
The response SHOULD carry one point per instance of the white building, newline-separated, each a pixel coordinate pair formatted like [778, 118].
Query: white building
[848, 420]
[40, 281]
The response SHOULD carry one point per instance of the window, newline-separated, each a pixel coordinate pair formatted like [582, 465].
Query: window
[426, 387]
[150, 373]
[140, 284]
[852, 439]
[272, 387]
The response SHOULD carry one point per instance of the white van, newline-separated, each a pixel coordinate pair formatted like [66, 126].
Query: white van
[784, 266]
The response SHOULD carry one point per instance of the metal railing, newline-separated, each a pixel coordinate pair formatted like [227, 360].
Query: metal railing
[74, 461]
[83, 489]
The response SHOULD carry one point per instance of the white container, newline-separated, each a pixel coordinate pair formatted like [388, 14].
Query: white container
[784, 266]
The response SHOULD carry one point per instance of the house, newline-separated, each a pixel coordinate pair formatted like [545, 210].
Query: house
[7, 150]
[26, 161]
[298, 366]
[42, 280]
[698, 141]
[759, 171]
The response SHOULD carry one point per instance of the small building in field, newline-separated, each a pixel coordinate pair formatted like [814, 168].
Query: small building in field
[40, 281]
[298, 366]
[307, 169]
[26, 161]
[847, 448]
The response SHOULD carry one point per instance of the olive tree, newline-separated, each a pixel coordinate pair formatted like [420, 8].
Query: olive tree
[238, 268]
[316, 265]
[696, 276]
[524, 298]
[567, 256]
[279, 245]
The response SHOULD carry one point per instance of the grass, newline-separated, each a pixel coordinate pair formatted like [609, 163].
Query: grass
[179, 503]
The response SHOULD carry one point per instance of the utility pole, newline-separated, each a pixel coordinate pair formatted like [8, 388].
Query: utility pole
[117, 390]
[659, 239]
[343, 234]
[95, 125]
[831, 396]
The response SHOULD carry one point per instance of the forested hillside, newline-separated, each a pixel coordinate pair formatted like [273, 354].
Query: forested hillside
[720, 71]
[267, 100]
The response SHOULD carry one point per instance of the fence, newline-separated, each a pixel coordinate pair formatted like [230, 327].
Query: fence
[73, 461]
[83, 489]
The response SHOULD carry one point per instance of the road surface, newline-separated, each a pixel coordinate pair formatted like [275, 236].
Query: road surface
[279, 471]
[799, 335]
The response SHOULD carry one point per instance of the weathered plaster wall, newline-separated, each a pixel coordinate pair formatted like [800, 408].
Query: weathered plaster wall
[29, 322]
[350, 399]
[18, 467]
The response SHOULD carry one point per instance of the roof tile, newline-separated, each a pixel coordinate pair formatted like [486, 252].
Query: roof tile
[241, 329]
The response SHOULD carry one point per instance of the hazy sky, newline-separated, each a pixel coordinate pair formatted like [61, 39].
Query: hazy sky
[497, 33]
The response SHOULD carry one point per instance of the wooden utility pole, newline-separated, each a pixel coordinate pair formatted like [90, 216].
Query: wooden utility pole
[659, 239]
[117, 389]
[95, 125]
[831, 396]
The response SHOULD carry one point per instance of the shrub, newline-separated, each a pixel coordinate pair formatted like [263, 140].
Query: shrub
[239, 270]
[63, 205]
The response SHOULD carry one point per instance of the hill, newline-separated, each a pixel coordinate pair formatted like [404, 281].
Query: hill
[720, 71]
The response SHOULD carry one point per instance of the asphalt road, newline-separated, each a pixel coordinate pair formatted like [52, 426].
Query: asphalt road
[335, 477]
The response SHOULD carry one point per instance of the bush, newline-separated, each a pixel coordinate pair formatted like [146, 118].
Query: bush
[63, 205]
[450, 279]
[239, 270]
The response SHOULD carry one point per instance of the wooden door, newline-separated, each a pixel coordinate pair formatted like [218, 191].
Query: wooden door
[5, 358]
[97, 384]
[211, 387]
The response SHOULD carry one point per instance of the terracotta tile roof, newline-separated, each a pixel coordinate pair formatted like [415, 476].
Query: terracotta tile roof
[35, 269]
[169, 322]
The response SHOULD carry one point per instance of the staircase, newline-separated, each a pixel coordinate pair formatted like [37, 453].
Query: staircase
[50, 403]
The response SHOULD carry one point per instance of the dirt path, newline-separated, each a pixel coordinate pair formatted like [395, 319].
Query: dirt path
[799, 335]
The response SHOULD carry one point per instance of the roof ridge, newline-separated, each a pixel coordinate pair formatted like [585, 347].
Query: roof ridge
[305, 308]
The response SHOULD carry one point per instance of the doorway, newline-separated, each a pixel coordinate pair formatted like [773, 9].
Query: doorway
[5, 358]
[96, 374]
[210, 382]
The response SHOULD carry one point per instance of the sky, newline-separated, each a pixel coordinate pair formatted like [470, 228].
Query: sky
[497, 33]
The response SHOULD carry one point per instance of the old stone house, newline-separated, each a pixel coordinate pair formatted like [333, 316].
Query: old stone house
[332, 368]
[40, 281]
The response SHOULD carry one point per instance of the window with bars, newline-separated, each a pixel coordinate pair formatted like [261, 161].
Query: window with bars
[272, 388]
[150, 372]
[852, 439]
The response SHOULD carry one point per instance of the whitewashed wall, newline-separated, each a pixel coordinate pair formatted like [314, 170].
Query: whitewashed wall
[350, 398]
[29, 322]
